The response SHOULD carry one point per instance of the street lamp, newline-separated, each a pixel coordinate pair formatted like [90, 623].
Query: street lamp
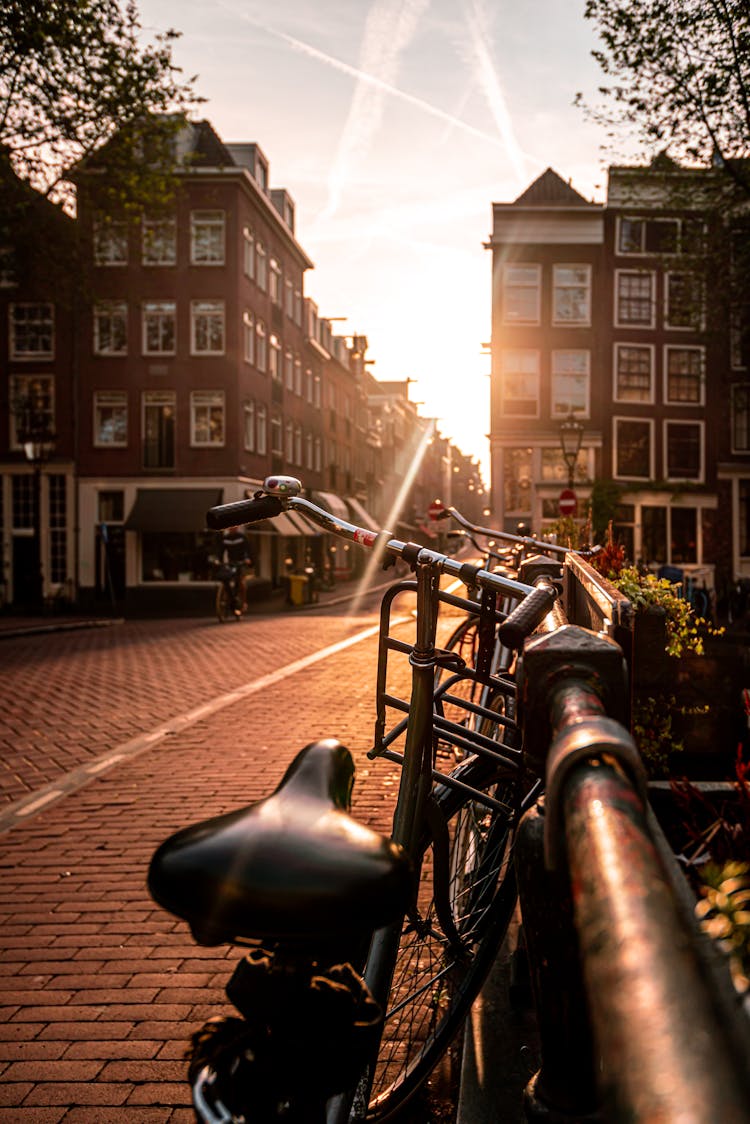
[571, 436]
[37, 439]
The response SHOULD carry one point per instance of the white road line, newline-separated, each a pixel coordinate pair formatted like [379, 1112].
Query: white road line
[27, 806]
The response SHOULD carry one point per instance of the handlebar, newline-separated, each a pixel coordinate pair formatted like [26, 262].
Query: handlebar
[519, 540]
[280, 493]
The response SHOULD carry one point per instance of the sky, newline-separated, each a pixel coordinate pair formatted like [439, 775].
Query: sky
[394, 125]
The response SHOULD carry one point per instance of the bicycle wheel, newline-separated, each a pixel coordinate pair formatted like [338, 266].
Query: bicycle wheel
[435, 978]
[223, 602]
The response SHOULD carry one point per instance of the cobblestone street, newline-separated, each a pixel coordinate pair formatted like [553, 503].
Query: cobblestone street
[100, 989]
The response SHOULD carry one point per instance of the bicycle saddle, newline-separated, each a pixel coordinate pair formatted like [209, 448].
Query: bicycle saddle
[295, 866]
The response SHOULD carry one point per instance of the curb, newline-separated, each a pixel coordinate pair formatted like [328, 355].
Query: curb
[61, 626]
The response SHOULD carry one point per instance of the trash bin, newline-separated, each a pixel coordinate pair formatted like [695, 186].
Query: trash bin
[297, 590]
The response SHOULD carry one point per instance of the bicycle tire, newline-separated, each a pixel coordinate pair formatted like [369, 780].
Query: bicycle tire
[223, 603]
[432, 986]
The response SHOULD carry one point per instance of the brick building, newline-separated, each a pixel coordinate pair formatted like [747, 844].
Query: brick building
[604, 311]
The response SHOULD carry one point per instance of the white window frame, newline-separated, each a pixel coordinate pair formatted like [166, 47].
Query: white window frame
[737, 389]
[298, 307]
[262, 419]
[701, 426]
[649, 423]
[106, 313]
[533, 269]
[211, 403]
[318, 454]
[248, 337]
[207, 237]
[158, 400]
[700, 322]
[159, 235]
[110, 242]
[634, 346]
[701, 399]
[638, 325]
[248, 252]
[274, 357]
[289, 298]
[114, 401]
[261, 346]
[21, 387]
[298, 376]
[164, 311]
[535, 376]
[213, 312]
[289, 443]
[555, 400]
[558, 287]
[289, 370]
[261, 266]
[275, 289]
[43, 323]
[249, 439]
[277, 435]
[309, 450]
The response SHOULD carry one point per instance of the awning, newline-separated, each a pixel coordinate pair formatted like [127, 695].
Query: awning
[171, 509]
[311, 530]
[361, 516]
[286, 523]
[335, 505]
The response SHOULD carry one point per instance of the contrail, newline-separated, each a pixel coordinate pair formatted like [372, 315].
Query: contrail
[490, 84]
[389, 28]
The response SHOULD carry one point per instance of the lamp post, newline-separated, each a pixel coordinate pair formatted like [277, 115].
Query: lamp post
[571, 436]
[35, 436]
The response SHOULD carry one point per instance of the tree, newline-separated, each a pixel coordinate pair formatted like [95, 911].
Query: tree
[678, 72]
[75, 75]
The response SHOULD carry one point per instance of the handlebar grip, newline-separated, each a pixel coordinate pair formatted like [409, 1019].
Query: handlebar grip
[522, 621]
[244, 511]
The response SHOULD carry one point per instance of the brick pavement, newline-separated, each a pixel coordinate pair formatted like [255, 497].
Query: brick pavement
[98, 987]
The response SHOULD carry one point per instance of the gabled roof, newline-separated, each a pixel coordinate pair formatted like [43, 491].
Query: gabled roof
[550, 190]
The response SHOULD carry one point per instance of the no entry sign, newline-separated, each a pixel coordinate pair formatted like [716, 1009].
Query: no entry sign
[567, 503]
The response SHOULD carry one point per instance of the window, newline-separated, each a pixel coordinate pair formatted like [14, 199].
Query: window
[110, 328]
[683, 371]
[740, 401]
[308, 385]
[683, 443]
[555, 470]
[633, 448]
[517, 480]
[289, 451]
[276, 437]
[58, 547]
[207, 327]
[159, 241]
[309, 451]
[159, 327]
[110, 419]
[38, 392]
[520, 383]
[298, 376]
[744, 520]
[298, 445]
[298, 307]
[248, 337]
[683, 538]
[32, 331]
[683, 301]
[653, 533]
[274, 356]
[659, 236]
[571, 296]
[159, 409]
[570, 383]
[274, 281]
[289, 370]
[634, 364]
[289, 299]
[249, 427]
[261, 267]
[262, 448]
[207, 417]
[521, 294]
[110, 242]
[317, 391]
[261, 350]
[207, 237]
[110, 507]
[248, 252]
[634, 300]
[176, 556]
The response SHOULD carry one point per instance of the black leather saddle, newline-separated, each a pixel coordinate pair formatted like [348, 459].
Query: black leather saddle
[294, 867]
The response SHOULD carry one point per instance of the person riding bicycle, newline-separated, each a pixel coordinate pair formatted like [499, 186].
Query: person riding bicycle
[236, 552]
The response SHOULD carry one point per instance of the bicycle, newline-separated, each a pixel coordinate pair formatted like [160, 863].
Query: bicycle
[229, 597]
[421, 914]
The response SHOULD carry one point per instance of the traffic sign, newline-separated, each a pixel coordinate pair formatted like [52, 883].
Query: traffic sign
[435, 508]
[567, 503]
